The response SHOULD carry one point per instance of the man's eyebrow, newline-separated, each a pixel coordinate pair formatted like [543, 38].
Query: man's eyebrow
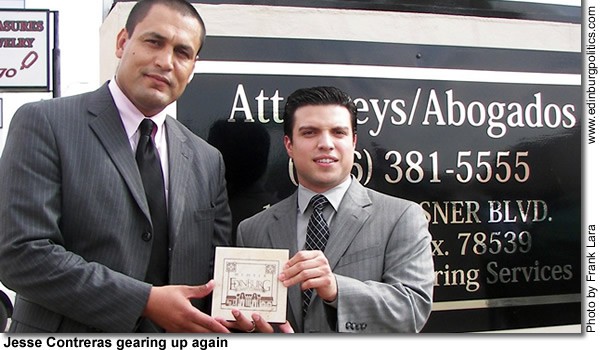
[161, 37]
[154, 35]
[311, 127]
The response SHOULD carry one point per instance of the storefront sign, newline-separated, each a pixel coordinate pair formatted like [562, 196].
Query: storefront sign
[24, 50]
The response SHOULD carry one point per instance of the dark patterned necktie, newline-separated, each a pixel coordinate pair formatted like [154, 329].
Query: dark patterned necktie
[150, 168]
[317, 234]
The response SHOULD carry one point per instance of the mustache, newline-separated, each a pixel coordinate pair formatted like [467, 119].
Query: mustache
[159, 76]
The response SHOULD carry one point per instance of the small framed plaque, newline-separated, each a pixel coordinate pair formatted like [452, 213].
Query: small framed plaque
[246, 280]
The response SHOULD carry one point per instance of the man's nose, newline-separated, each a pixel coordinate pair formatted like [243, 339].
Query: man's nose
[164, 59]
[326, 141]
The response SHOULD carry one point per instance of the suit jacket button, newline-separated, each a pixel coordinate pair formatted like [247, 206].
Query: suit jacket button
[147, 236]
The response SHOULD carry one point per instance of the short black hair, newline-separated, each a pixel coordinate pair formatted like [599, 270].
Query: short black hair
[141, 8]
[318, 95]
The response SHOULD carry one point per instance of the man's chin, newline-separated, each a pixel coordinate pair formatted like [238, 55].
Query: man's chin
[324, 183]
[157, 101]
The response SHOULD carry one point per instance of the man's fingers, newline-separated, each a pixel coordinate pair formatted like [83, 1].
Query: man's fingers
[286, 328]
[214, 326]
[201, 291]
[261, 325]
[256, 324]
[297, 271]
[206, 324]
[170, 307]
[243, 323]
[314, 282]
[227, 324]
[310, 273]
[303, 255]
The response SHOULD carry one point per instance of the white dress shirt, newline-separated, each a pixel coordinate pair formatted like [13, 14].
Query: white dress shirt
[334, 196]
[132, 117]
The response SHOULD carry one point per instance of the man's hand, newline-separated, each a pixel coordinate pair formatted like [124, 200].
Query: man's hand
[256, 324]
[311, 269]
[170, 308]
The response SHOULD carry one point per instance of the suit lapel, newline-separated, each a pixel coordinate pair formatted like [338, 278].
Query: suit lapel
[108, 127]
[179, 172]
[346, 224]
[283, 234]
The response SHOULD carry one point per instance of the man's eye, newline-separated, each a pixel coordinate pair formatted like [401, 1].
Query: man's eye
[184, 54]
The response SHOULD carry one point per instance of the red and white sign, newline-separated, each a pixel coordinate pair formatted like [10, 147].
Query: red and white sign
[24, 50]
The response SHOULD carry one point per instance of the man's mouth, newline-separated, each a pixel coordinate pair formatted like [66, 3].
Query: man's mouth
[159, 78]
[325, 160]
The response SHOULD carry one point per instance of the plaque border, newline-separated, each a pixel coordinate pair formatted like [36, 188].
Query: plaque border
[272, 307]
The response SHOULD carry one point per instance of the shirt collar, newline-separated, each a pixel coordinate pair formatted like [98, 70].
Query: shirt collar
[333, 195]
[130, 115]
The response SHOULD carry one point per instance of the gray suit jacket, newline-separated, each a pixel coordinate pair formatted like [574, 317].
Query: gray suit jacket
[74, 219]
[380, 253]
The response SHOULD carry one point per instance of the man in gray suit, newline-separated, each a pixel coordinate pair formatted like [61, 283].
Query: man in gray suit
[78, 232]
[375, 274]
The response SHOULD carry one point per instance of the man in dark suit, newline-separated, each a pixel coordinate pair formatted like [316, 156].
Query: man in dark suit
[373, 271]
[84, 242]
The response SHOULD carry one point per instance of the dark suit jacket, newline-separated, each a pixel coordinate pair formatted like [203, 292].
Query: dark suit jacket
[73, 216]
[379, 250]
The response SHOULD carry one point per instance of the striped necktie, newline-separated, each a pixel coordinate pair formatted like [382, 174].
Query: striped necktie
[317, 234]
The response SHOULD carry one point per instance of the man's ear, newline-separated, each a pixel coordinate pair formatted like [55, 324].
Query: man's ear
[122, 38]
[287, 142]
